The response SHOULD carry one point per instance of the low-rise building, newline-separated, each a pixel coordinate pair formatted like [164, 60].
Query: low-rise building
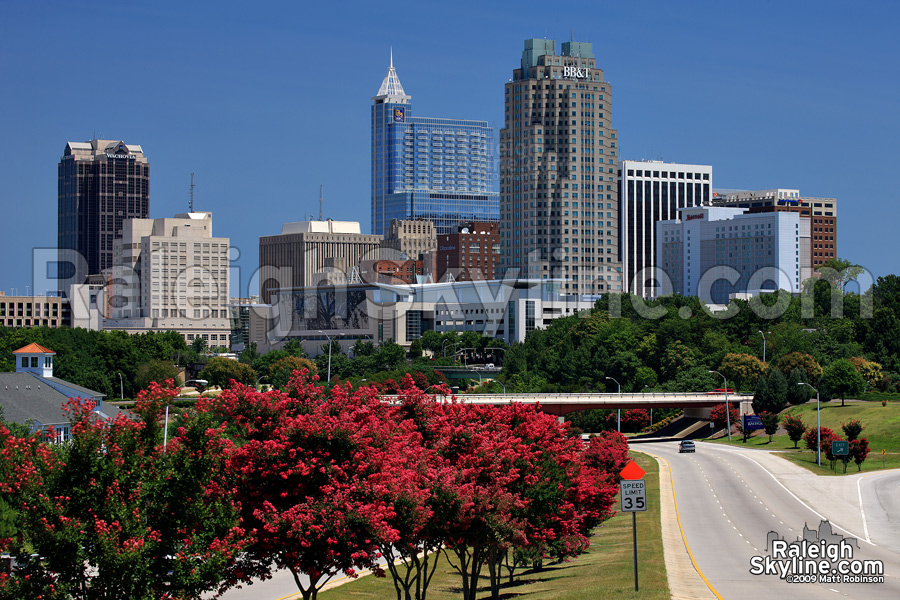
[469, 254]
[33, 396]
[30, 311]
[377, 312]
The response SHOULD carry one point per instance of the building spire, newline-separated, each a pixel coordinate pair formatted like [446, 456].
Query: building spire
[391, 90]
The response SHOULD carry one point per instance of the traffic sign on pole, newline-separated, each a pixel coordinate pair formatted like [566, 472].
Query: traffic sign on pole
[634, 495]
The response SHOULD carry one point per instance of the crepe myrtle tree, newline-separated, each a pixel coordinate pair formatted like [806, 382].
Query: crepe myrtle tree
[113, 515]
[312, 471]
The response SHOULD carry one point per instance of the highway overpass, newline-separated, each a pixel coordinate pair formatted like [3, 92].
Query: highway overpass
[563, 404]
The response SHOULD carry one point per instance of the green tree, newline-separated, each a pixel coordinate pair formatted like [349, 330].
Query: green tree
[220, 371]
[415, 349]
[789, 362]
[842, 379]
[282, 370]
[155, 370]
[199, 345]
[249, 354]
[770, 423]
[839, 272]
[739, 368]
[797, 393]
[295, 348]
[390, 355]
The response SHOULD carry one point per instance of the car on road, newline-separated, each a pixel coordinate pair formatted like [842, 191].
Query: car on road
[686, 446]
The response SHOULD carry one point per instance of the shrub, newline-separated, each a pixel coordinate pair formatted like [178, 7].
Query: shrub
[859, 450]
[794, 426]
[852, 429]
[826, 434]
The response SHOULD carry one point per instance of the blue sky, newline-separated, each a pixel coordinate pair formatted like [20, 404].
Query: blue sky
[265, 101]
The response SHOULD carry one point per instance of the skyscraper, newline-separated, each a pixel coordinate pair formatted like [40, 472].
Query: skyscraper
[653, 191]
[101, 183]
[428, 168]
[558, 191]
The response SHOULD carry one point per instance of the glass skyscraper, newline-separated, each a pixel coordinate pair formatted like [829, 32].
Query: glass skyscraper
[441, 170]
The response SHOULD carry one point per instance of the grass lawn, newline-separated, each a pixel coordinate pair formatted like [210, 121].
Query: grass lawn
[881, 428]
[606, 570]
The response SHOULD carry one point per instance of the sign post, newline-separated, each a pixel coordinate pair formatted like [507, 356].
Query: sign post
[883, 452]
[841, 448]
[633, 492]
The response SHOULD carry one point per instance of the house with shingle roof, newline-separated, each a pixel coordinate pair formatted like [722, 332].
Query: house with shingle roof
[33, 396]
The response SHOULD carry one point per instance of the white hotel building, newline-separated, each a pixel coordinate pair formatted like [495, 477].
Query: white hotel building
[715, 252]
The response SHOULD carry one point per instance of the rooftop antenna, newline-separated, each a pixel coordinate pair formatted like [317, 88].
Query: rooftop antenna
[191, 203]
[320, 185]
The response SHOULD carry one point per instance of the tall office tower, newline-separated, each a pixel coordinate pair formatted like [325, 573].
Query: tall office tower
[652, 191]
[171, 274]
[440, 170]
[101, 183]
[558, 195]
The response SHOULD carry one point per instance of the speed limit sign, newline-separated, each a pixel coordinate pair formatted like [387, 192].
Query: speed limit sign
[634, 495]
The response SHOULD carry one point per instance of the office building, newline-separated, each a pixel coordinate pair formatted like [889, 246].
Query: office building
[171, 274]
[715, 252]
[649, 192]
[101, 184]
[559, 207]
[377, 312]
[440, 170]
[822, 213]
[410, 239]
[397, 271]
[308, 253]
[30, 311]
[469, 254]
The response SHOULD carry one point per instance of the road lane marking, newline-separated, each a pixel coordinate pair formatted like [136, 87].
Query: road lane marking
[794, 496]
[684, 539]
[862, 511]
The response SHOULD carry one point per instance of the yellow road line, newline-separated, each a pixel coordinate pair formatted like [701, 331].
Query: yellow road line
[684, 539]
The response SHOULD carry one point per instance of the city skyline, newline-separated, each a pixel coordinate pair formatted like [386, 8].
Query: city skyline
[770, 96]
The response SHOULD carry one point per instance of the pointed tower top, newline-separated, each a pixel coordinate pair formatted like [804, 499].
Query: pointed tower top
[391, 90]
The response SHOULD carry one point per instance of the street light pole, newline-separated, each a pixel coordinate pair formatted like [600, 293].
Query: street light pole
[727, 408]
[759, 331]
[619, 410]
[202, 382]
[121, 387]
[818, 426]
[329, 354]
[260, 379]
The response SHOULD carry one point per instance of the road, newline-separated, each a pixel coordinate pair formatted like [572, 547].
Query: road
[729, 499]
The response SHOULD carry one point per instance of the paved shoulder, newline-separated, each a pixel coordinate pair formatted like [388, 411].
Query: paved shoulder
[685, 581]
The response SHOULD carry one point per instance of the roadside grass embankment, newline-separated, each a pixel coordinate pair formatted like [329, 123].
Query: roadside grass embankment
[881, 428]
